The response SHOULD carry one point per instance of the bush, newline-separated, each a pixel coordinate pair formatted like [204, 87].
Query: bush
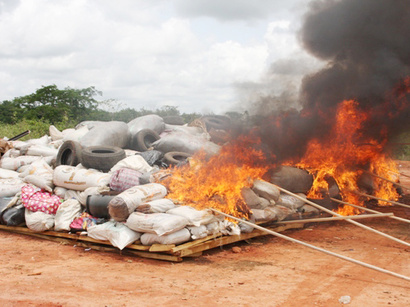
[401, 150]
[37, 129]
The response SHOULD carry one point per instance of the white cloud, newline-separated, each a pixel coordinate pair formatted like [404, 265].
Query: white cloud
[141, 53]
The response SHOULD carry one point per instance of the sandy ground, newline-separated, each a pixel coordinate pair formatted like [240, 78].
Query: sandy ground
[265, 271]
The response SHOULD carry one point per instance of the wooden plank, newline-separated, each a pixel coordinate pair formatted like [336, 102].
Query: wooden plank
[231, 239]
[161, 247]
[198, 254]
[157, 256]
[76, 237]
[194, 243]
[156, 251]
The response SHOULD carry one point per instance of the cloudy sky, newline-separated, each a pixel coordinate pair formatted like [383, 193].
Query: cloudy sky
[207, 56]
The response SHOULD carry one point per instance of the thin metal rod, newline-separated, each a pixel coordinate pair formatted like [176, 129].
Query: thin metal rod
[336, 218]
[388, 180]
[369, 210]
[378, 198]
[315, 247]
[347, 220]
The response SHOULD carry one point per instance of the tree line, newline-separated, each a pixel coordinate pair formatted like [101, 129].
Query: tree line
[68, 107]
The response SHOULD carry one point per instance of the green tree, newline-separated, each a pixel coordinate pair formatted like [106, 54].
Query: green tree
[52, 105]
[10, 112]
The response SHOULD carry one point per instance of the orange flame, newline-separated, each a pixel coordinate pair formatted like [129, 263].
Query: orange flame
[340, 156]
[217, 182]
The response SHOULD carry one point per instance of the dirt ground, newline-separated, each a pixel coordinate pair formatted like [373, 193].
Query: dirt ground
[265, 271]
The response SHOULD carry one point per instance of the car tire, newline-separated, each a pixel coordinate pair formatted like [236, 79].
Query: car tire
[69, 153]
[101, 158]
[143, 140]
[176, 157]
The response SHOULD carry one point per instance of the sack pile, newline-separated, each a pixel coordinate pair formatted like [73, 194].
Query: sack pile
[57, 182]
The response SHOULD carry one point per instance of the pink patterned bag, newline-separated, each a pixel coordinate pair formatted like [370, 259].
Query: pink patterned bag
[123, 179]
[36, 199]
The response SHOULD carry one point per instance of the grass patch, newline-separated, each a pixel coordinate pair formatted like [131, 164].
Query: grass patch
[401, 151]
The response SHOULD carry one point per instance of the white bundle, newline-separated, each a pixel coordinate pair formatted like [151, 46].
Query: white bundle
[194, 216]
[8, 174]
[156, 206]
[66, 213]
[40, 174]
[122, 205]
[78, 178]
[178, 237]
[198, 232]
[117, 233]
[158, 223]
[14, 163]
[39, 221]
[10, 187]
[135, 162]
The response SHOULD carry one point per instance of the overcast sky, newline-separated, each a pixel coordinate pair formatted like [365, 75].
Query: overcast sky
[208, 56]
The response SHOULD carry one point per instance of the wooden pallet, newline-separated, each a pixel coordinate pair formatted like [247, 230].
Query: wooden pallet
[170, 252]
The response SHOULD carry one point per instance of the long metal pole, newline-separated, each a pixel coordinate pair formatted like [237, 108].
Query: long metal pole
[382, 199]
[315, 247]
[369, 210]
[348, 220]
[335, 218]
[388, 180]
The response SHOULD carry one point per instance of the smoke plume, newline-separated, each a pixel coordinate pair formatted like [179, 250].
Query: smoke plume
[367, 49]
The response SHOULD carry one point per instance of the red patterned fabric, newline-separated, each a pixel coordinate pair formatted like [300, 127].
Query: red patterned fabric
[124, 179]
[35, 199]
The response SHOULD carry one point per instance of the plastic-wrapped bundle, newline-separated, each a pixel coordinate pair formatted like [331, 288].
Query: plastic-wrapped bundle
[121, 206]
[112, 133]
[185, 142]
[151, 121]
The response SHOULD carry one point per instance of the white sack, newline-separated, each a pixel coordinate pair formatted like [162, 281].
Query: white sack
[194, 216]
[81, 196]
[10, 187]
[158, 223]
[66, 213]
[122, 205]
[55, 134]
[185, 142]
[40, 174]
[177, 237]
[151, 121]
[278, 212]
[117, 233]
[74, 134]
[60, 192]
[8, 174]
[229, 228]
[15, 163]
[11, 153]
[78, 178]
[290, 201]
[135, 162]
[156, 206]
[44, 140]
[112, 133]
[41, 150]
[198, 232]
[38, 221]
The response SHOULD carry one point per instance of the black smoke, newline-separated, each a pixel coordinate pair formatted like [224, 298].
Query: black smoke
[366, 44]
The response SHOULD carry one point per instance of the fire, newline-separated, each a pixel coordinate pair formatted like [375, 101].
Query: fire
[217, 182]
[344, 156]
